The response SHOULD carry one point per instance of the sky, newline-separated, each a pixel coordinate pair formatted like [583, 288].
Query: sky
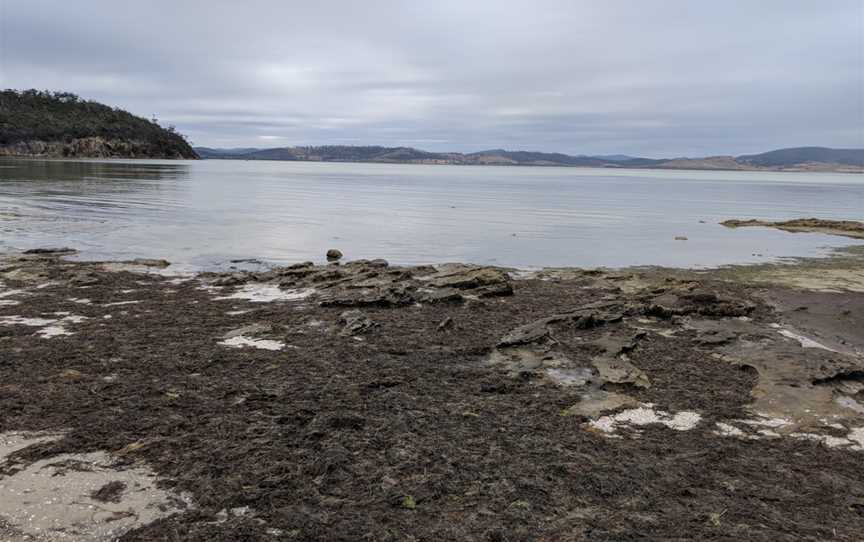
[658, 78]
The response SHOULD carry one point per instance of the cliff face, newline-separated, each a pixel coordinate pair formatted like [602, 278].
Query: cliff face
[55, 124]
[92, 147]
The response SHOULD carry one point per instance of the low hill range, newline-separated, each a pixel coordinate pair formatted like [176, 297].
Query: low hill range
[792, 159]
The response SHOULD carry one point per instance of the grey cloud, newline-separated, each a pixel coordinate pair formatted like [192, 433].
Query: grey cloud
[642, 77]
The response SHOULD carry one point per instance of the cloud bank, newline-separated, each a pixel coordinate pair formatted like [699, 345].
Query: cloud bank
[648, 78]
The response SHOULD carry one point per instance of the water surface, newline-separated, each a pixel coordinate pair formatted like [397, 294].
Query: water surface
[202, 214]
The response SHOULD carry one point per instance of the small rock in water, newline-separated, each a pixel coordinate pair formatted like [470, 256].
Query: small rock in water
[50, 250]
[150, 262]
[334, 254]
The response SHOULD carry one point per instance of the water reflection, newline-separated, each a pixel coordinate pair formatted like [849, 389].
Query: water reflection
[204, 212]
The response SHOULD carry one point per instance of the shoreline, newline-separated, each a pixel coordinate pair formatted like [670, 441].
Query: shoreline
[444, 402]
[844, 171]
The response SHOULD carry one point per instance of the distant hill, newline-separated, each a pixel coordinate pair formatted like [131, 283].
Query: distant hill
[207, 152]
[797, 159]
[804, 155]
[60, 124]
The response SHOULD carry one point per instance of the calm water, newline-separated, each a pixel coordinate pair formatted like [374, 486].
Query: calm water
[201, 214]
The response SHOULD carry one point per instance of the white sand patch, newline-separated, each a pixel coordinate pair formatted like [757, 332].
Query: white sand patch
[53, 331]
[265, 293]
[10, 293]
[856, 435]
[80, 300]
[805, 342]
[120, 303]
[766, 421]
[646, 415]
[21, 321]
[237, 313]
[52, 499]
[49, 327]
[762, 428]
[5, 296]
[726, 430]
[834, 442]
[241, 341]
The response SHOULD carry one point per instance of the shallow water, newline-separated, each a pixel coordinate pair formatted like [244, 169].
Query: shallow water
[202, 214]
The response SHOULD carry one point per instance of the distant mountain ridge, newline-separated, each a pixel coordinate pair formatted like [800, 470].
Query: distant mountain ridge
[792, 159]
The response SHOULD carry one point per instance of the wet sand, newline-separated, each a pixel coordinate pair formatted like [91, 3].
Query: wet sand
[456, 402]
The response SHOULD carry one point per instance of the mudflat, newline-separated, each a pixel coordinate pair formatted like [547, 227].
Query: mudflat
[364, 401]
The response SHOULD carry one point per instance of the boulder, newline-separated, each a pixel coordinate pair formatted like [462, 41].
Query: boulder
[334, 254]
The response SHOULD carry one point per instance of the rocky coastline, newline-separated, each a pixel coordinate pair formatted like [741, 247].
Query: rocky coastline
[94, 147]
[363, 400]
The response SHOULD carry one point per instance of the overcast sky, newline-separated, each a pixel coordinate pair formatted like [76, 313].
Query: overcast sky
[650, 78]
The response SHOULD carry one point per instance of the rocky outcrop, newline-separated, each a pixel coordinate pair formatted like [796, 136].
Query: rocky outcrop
[93, 147]
[845, 228]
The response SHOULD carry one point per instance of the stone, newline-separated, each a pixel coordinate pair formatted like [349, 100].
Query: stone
[529, 333]
[596, 402]
[355, 322]
[446, 324]
[443, 295]
[149, 262]
[334, 254]
[620, 371]
[84, 278]
[495, 290]
[469, 278]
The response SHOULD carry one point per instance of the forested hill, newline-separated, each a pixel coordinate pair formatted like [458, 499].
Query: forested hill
[60, 124]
